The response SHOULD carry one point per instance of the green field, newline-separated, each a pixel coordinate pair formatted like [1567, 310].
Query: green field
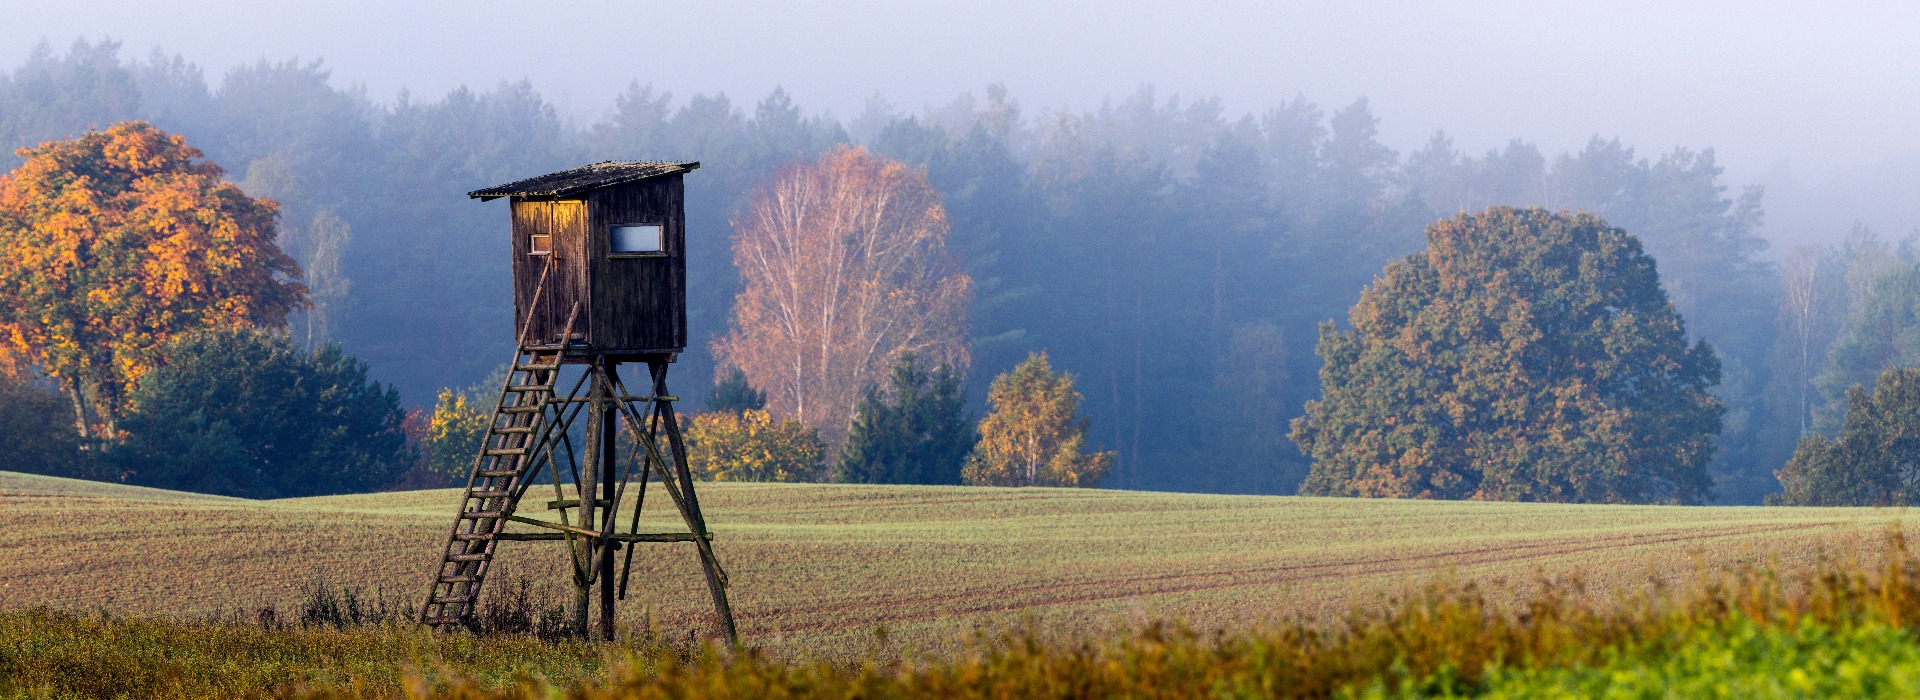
[818, 568]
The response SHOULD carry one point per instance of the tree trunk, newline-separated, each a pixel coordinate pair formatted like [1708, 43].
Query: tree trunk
[80, 422]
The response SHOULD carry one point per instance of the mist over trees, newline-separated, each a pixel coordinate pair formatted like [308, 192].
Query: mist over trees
[1175, 258]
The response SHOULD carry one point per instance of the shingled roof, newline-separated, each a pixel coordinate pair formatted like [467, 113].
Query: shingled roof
[583, 179]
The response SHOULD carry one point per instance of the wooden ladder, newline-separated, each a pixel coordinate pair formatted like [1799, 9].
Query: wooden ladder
[508, 456]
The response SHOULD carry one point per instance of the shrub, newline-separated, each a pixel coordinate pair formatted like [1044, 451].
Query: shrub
[751, 446]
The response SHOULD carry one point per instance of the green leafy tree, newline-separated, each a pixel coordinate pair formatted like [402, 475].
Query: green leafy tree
[733, 394]
[245, 413]
[1525, 355]
[915, 431]
[1032, 436]
[752, 446]
[1876, 459]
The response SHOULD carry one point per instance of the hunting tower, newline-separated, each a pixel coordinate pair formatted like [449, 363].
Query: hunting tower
[599, 280]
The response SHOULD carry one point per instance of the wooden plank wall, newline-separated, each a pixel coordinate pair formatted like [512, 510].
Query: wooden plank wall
[639, 304]
[566, 221]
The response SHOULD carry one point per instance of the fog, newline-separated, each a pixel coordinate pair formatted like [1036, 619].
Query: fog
[1811, 102]
[1259, 166]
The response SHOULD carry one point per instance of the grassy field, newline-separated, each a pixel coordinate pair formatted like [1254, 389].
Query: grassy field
[818, 568]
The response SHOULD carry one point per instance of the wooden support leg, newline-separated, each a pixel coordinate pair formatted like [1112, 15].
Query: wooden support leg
[588, 478]
[696, 521]
[608, 491]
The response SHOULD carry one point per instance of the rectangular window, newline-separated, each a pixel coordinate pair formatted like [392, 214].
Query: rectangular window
[539, 244]
[635, 239]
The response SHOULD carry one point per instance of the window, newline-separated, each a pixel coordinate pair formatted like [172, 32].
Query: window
[540, 244]
[636, 239]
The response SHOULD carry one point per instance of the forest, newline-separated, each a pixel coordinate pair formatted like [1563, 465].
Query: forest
[1175, 258]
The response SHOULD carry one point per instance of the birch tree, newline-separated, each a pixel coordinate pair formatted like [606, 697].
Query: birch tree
[844, 266]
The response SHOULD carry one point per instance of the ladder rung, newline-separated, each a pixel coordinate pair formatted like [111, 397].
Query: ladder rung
[466, 557]
[537, 367]
[459, 579]
[472, 536]
[495, 473]
[488, 494]
[521, 409]
[483, 514]
[514, 452]
[529, 387]
[517, 430]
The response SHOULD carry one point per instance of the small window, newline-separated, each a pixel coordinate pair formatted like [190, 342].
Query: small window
[634, 239]
[539, 244]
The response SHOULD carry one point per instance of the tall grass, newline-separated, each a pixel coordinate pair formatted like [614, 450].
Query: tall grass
[1845, 627]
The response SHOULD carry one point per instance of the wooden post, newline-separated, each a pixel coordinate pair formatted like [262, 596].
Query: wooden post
[584, 566]
[609, 480]
[696, 521]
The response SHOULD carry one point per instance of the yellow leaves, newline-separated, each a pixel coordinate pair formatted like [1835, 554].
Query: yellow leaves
[751, 446]
[1032, 436]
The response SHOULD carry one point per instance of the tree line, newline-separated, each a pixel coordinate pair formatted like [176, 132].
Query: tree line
[1176, 258]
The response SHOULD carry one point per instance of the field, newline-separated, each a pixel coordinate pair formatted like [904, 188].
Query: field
[817, 569]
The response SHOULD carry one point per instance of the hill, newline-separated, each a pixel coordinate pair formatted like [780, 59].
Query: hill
[817, 568]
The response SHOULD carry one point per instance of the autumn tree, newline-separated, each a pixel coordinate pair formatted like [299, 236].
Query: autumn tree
[1032, 435]
[113, 243]
[1525, 355]
[844, 266]
[1875, 461]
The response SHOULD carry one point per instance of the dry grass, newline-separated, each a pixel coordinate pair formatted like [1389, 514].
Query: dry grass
[818, 568]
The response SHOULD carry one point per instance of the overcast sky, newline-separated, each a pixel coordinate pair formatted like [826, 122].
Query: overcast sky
[1788, 95]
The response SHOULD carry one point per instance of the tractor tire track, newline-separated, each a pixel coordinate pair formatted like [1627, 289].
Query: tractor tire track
[906, 609]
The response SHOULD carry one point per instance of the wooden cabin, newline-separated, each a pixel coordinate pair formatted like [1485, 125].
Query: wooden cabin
[599, 258]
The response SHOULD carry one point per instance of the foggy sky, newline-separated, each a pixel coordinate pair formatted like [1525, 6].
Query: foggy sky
[1822, 106]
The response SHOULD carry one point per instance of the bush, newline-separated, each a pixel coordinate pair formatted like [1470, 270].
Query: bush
[453, 432]
[750, 446]
[244, 413]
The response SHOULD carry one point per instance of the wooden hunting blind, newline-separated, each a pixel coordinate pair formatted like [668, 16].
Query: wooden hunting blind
[611, 238]
[599, 280]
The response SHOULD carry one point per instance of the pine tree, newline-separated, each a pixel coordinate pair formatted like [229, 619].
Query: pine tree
[912, 432]
[734, 394]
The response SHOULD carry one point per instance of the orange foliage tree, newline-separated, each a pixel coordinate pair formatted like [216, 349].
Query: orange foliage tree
[116, 241]
[844, 266]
